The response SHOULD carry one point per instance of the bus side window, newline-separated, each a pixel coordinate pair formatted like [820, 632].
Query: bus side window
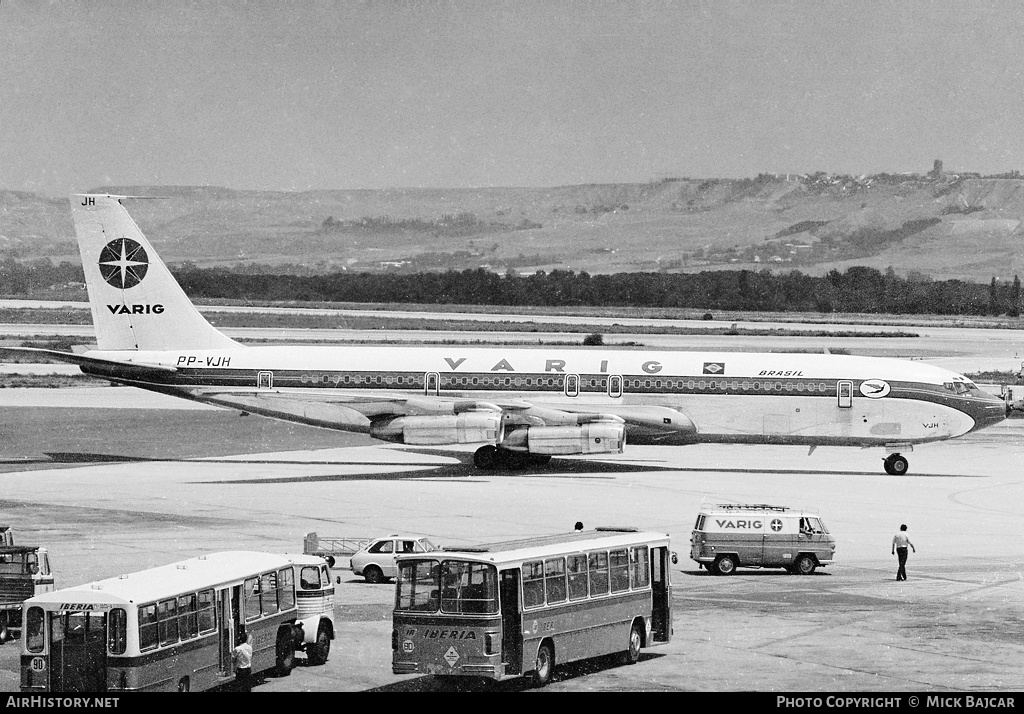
[640, 573]
[576, 567]
[147, 627]
[598, 573]
[286, 588]
[188, 625]
[268, 593]
[554, 579]
[167, 615]
[533, 583]
[207, 619]
[251, 607]
[618, 568]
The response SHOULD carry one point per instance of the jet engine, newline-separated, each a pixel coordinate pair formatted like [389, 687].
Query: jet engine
[599, 437]
[464, 428]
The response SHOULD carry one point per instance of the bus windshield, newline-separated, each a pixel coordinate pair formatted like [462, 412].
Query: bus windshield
[456, 587]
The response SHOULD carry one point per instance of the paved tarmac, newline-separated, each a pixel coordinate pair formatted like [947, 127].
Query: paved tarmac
[955, 625]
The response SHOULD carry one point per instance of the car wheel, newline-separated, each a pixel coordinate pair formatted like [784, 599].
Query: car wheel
[373, 574]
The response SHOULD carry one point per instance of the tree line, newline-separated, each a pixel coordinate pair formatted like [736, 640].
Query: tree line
[858, 289]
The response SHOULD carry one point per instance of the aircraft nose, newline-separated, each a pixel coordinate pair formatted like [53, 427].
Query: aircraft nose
[989, 411]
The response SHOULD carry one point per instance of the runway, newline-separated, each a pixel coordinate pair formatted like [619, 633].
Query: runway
[194, 480]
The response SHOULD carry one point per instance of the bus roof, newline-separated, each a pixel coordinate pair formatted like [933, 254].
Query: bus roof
[194, 574]
[544, 546]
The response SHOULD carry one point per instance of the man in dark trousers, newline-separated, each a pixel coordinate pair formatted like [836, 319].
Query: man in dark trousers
[900, 541]
[243, 664]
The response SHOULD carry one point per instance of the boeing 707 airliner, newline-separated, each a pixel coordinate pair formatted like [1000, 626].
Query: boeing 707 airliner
[519, 405]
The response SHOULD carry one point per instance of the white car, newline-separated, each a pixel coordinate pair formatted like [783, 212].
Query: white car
[376, 562]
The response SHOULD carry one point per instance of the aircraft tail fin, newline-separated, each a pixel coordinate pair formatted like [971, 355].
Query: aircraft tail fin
[136, 302]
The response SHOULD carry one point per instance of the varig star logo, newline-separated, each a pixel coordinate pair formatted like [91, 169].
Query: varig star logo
[776, 525]
[714, 367]
[123, 263]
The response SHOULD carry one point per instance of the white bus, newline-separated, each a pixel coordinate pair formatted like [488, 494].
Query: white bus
[507, 609]
[174, 627]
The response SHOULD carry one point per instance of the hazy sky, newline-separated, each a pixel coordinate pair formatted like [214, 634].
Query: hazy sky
[456, 93]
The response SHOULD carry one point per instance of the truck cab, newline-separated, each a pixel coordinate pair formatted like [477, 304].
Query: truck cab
[730, 536]
[24, 573]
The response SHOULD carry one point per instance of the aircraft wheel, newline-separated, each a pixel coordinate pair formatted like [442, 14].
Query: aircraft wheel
[512, 459]
[896, 465]
[486, 457]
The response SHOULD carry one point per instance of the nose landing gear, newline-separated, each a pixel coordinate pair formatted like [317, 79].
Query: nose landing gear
[896, 465]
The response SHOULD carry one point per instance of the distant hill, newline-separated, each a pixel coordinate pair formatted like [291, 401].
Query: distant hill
[944, 226]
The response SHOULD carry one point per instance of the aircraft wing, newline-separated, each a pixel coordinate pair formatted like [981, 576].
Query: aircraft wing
[350, 410]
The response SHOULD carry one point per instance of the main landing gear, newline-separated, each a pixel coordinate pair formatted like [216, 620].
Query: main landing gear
[896, 465]
[495, 457]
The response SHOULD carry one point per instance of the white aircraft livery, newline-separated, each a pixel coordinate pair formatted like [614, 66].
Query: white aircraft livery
[520, 405]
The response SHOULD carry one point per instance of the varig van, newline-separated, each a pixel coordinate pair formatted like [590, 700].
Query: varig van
[730, 536]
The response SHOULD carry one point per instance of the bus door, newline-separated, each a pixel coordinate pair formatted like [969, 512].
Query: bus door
[228, 612]
[511, 622]
[661, 608]
[78, 651]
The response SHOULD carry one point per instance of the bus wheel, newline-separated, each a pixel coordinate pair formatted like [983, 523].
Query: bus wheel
[319, 650]
[804, 565]
[725, 565]
[636, 639]
[545, 665]
[373, 574]
[285, 653]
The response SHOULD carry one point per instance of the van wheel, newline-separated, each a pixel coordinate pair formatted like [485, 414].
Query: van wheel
[319, 650]
[725, 565]
[544, 665]
[373, 574]
[285, 653]
[804, 565]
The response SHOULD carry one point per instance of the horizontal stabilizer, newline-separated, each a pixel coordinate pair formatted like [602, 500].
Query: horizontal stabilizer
[91, 365]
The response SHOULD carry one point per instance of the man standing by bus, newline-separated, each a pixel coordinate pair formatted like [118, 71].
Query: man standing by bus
[900, 541]
[243, 665]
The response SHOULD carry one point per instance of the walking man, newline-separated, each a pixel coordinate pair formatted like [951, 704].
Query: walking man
[900, 541]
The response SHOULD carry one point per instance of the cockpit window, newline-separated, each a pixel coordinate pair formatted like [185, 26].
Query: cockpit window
[960, 387]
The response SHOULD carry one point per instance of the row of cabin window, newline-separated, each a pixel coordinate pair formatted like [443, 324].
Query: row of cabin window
[552, 382]
[169, 621]
[583, 575]
[268, 594]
